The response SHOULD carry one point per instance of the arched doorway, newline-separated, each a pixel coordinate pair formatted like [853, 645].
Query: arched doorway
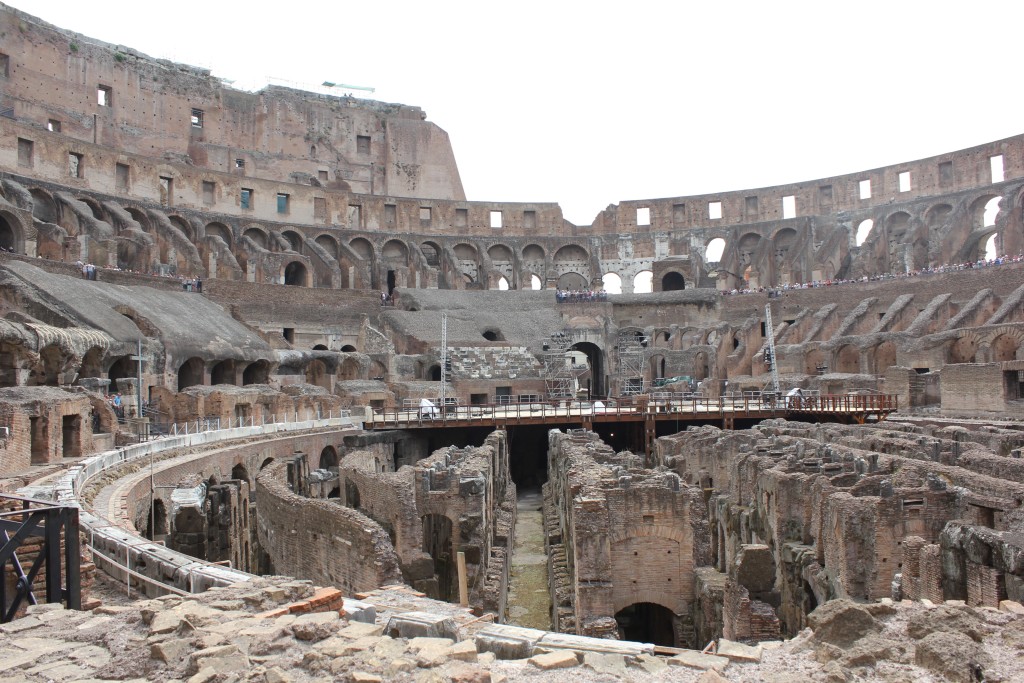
[8, 236]
[121, 368]
[295, 274]
[570, 281]
[595, 383]
[316, 373]
[190, 373]
[256, 373]
[647, 622]
[672, 282]
[223, 372]
[328, 458]
[1004, 348]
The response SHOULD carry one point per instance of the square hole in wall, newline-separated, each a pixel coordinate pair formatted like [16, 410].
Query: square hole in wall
[53, 125]
[496, 219]
[996, 165]
[750, 208]
[322, 176]
[904, 181]
[245, 198]
[209, 192]
[25, 149]
[121, 176]
[714, 210]
[461, 217]
[530, 220]
[789, 206]
[74, 165]
[363, 144]
[5, 66]
[643, 216]
[104, 96]
[282, 202]
[239, 163]
[945, 173]
[865, 188]
[425, 214]
[289, 334]
[678, 213]
[166, 190]
[197, 118]
[319, 208]
[390, 214]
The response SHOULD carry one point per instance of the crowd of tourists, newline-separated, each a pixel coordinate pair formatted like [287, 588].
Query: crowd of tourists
[579, 296]
[946, 268]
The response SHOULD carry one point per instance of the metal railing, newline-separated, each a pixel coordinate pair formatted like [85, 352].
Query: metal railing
[694, 405]
[61, 566]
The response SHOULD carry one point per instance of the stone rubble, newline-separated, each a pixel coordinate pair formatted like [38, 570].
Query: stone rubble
[278, 630]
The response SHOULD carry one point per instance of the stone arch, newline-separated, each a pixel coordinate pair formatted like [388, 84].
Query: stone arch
[11, 234]
[964, 349]
[1006, 346]
[44, 208]
[572, 280]
[713, 250]
[701, 368]
[936, 215]
[94, 207]
[349, 369]
[220, 230]
[258, 235]
[183, 225]
[257, 372]
[140, 217]
[294, 240]
[120, 368]
[328, 458]
[465, 252]
[647, 620]
[847, 359]
[863, 231]
[223, 372]
[643, 282]
[191, 373]
[572, 254]
[377, 370]
[328, 244]
[316, 373]
[362, 247]
[240, 473]
[48, 371]
[657, 364]
[431, 254]
[747, 247]
[295, 274]
[500, 252]
[92, 363]
[533, 252]
[814, 360]
[884, 357]
[348, 348]
[611, 283]
[673, 281]
[395, 250]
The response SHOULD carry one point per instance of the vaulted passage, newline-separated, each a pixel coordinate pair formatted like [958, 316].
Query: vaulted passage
[647, 622]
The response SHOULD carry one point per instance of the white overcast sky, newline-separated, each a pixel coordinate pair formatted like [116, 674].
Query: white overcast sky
[590, 103]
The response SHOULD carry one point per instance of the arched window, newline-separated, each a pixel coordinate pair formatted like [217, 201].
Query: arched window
[612, 283]
[643, 283]
[863, 230]
[715, 249]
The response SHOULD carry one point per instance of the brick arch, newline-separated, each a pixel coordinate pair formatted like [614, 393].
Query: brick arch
[964, 348]
[654, 597]
[665, 531]
[1003, 343]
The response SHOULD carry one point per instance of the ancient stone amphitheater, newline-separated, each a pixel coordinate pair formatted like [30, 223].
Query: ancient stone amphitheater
[280, 404]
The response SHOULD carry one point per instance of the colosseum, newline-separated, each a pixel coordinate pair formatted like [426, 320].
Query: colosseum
[264, 366]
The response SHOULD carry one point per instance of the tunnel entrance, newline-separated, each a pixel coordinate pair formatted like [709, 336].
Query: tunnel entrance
[437, 542]
[647, 622]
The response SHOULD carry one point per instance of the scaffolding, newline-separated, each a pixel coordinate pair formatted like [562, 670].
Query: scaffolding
[632, 352]
[561, 375]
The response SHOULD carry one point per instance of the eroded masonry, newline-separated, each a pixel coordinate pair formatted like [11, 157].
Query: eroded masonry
[266, 333]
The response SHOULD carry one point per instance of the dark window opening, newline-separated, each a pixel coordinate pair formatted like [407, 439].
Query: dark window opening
[672, 282]
[245, 198]
[239, 163]
[289, 334]
[646, 622]
[391, 282]
[53, 125]
[25, 149]
[197, 118]
[479, 399]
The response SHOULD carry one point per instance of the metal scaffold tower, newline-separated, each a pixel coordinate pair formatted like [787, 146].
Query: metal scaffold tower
[770, 358]
[444, 356]
[632, 354]
[560, 374]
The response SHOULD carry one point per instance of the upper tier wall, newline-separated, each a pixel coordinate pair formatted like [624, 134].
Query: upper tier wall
[94, 92]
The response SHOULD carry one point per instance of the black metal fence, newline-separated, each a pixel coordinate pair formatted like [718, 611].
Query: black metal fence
[38, 537]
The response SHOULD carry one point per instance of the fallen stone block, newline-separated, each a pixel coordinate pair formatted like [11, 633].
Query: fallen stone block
[464, 651]
[562, 659]
[738, 652]
[699, 660]
[1011, 606]
[507, 642]
[357, 610]
[221, 659]
[421, 624]
[566, 641]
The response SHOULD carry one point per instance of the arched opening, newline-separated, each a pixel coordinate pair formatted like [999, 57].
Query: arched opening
[295, 274]
[593, 380]
[1004, 348]
[47, 371]
[316, 373]
[431, 254]
[494, 335]
[348, 370]
[814, 362]
[258, 237]
[121, 368]
[657, 367]
[391, 282]
[43, 206]
[240, 473]
[437, 542]
[885, 357]
[612, 283]
[714, 250]
[219, 230]
[256, 373]
[672, 282]
[395, 250]
[294, 240]
[184, 226]
[502, 284]
[92, 363]
[848, 359]
[963, 350]
[435, 373]
[991, 212]
[362, 247]
[535, 283]
[647, 622]
[265, 462]
[570, 281]
[223, 372]
[329, 459]
[991, 248]
[8, 237]
[190, 373]
[700, 366]
[320, 347]
[156, 521]
[352, 494]
[643, 282]
[328, 244]
[348, 348]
